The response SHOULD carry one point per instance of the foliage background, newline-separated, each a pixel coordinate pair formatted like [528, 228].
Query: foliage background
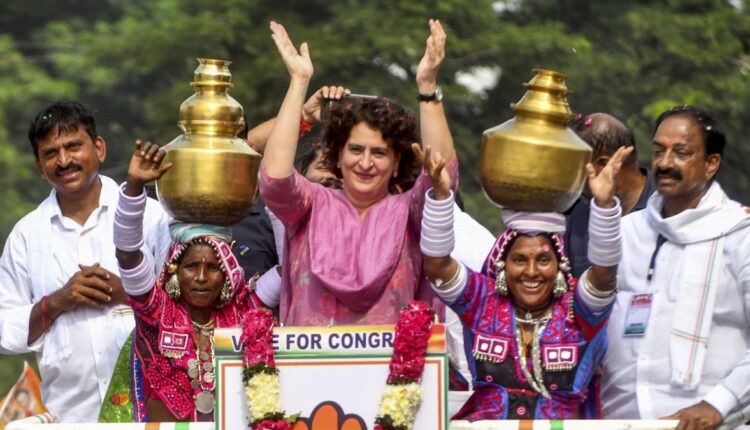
[132, 60]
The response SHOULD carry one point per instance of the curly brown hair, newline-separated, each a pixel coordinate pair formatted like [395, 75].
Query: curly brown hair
[397, 125]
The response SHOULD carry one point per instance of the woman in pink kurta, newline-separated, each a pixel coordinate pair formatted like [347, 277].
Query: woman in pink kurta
[352, 256]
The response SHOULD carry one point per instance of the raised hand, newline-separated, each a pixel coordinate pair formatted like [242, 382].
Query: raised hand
[145, 166]
[313, 106]
[434, 165]
[603, 185]
[298, 64]
[434, 54]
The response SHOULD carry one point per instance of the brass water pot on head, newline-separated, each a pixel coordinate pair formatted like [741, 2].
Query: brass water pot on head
[214, 177]
[534, 162]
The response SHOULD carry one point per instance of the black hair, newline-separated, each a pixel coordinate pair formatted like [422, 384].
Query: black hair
[713, 138]
[604, 141]
[61, 117]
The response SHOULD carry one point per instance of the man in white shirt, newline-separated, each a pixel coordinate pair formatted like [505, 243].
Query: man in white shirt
[680, 329]
[61, 293]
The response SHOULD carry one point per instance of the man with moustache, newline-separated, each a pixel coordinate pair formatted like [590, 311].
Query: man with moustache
[679, 330]
[605, 134]
[61, 293]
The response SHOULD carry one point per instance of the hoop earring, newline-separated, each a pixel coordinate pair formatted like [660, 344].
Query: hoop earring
[561, 286]
[173, 287]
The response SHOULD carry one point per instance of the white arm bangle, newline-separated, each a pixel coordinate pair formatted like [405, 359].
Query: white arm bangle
[140, 279]
[594, 299]
[268, 287]
[605, 238]
[449, 291]
[437, 226]
[128, 223]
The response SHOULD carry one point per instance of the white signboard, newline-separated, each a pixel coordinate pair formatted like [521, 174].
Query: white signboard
[337, 392]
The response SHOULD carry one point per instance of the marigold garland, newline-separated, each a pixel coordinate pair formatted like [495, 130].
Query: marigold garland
[260, 375]
[403, 394]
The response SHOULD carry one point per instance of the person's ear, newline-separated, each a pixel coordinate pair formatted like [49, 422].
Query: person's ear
[713, 162]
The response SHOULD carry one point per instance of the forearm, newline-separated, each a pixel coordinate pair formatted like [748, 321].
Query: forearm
[128, 225]
[258, 136]
[42, 316]
[605, 244]
[278, 158]
[433, 123]
[437, 242]
[139, 280]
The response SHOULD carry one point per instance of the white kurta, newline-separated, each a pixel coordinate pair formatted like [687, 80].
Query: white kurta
[77, 355]
[636, 381]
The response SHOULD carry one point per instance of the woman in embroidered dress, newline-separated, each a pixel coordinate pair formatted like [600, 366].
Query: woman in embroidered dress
[352, 255]
[200, 287]
[534, 337]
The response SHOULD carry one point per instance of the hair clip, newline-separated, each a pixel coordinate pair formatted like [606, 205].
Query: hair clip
[587, 122]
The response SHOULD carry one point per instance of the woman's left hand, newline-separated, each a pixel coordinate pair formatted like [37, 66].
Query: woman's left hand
[298, 63]
[603, 185]
[434, 54]
[434, 165]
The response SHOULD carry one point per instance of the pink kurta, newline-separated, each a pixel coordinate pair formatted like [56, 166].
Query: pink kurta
[339, 269]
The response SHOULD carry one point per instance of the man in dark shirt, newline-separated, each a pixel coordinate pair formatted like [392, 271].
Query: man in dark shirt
[605, 134]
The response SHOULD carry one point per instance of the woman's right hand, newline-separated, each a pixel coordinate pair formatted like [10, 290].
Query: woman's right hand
[298, 64]
[314, 105]
[145, 166]
[434, 165]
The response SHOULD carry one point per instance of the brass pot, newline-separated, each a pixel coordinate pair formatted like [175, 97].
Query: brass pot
[534, 162]
[214, 177]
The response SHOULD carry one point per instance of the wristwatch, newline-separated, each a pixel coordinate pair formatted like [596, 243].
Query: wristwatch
[435, 96]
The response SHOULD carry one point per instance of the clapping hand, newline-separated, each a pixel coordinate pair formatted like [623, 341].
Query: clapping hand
[434, 165]
[603, 185]
[434, 54]
[298, 64]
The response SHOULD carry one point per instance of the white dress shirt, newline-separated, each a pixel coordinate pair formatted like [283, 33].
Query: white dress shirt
[636, 380]
[77, 355]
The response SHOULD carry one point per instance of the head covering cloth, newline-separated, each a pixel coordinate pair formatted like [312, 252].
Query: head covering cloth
[529, 224]
[217, 237]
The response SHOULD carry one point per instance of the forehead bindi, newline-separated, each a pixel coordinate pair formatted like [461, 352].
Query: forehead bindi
[531, 246]
[679, 130]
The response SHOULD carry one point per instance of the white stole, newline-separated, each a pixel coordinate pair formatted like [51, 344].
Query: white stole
[701, 233]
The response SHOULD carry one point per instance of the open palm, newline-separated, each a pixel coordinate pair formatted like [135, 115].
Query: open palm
[297, 63]
[434, 54]
[603, 185]
[146, 163]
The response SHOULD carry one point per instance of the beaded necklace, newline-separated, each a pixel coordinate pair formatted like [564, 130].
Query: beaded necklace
[536, 380]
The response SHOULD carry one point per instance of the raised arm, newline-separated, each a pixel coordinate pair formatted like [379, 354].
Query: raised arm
[437, 227]
[605, 245]
[433, 124]
[135, 270]
[278, 159]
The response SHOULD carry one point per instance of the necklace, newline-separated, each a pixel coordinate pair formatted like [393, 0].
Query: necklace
[536, 380]
[201, 371]
[206, 329]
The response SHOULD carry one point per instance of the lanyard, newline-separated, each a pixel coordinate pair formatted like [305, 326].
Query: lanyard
[660, 240]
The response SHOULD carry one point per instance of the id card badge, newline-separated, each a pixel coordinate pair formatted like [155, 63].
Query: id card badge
[638, 313]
